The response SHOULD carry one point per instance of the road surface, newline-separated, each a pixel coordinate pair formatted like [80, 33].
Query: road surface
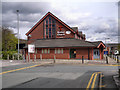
[58, 76]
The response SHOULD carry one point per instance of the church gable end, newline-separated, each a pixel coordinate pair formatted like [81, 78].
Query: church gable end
[51, 27]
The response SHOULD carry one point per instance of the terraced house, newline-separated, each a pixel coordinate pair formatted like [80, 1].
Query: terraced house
[52, 37]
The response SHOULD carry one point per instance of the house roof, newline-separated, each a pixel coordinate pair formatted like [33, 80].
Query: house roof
[45, 43]
[77, 32]
[75, 28]
[49, 13]
[97, 43]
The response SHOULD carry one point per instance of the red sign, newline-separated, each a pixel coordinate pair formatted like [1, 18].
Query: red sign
[60, 27]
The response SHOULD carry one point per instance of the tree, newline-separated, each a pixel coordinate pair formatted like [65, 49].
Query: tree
[9, 40]
[119, 47]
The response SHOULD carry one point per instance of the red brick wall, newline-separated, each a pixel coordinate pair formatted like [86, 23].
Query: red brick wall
[37, 33]
[91, 53]
[66, 54]
[82, 52]
[71, 35]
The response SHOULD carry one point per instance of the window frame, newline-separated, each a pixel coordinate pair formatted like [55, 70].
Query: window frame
[59, 51]
[45, 51]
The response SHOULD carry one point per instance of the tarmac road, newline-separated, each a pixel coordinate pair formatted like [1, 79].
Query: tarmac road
[58, 76]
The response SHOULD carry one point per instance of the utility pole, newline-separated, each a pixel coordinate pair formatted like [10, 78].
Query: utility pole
[18, 30]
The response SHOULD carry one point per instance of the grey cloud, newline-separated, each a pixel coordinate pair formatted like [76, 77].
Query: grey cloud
[25, 7]
[29, 13]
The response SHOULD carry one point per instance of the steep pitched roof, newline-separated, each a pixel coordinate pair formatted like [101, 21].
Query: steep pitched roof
[50, 43]
[49, 13]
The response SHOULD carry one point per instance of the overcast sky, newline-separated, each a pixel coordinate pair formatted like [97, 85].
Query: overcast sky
[97, 20]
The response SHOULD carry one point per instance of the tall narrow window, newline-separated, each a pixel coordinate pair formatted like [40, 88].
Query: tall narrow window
[49, 20]
[50, 27]
[46, 21]
[62, 50]
[49, 32]
[36, 51]
[48, 50]
[55, 51]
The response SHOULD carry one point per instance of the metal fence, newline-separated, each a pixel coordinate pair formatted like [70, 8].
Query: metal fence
[13, 57]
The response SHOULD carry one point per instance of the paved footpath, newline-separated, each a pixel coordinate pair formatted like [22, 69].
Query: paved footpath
[4, 63]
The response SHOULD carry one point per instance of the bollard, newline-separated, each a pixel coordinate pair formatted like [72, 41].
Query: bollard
[35, 57]
[18, 56]
[119, 73]
[13, 57]
[1, 56]
[82, 59]
[106, 60]
[54, 58]
[27, 58]
[24, 58]
[8, 57]
[117, 59]
[40, 57]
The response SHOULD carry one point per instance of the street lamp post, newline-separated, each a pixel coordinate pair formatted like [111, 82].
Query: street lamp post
[18, 30]
[106, 39]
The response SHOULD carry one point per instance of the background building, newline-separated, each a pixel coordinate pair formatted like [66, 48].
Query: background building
[111, 47]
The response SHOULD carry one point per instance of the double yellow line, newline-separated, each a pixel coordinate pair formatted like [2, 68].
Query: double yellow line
[92, 81]
[19, 69]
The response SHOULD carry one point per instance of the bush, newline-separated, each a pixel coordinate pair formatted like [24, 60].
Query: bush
[11, 53]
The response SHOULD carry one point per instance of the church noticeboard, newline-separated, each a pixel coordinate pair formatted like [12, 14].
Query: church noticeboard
[31, 48]
[60, 33]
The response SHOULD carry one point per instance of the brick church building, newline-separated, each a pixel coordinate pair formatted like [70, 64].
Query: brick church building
[52, 37]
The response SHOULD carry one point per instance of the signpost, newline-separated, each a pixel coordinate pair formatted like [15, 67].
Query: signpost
[31, 49]
[116, 52]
